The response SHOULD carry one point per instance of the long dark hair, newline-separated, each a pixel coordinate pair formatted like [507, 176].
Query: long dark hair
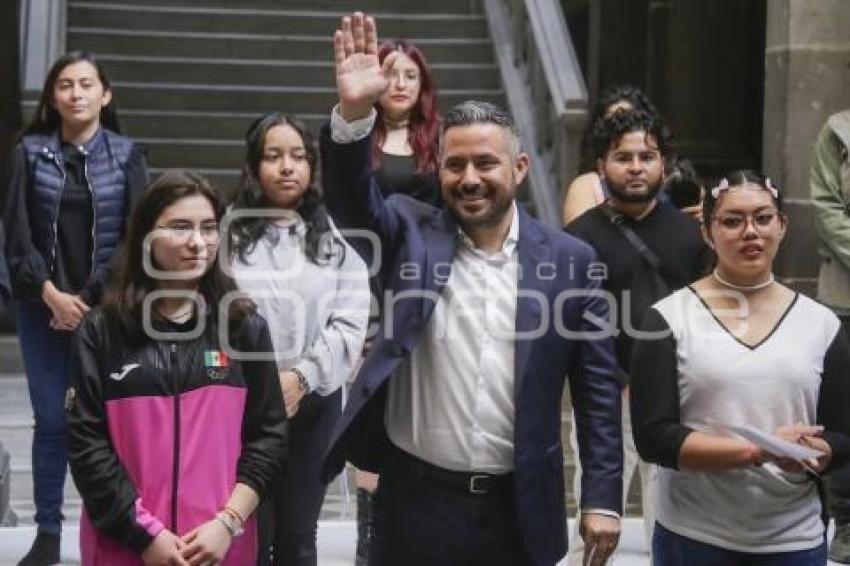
[47, 119]
[246, 232]
[124, 299]
[423, 128]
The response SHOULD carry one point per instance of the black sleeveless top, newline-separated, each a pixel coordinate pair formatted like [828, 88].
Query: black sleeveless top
[398, 175]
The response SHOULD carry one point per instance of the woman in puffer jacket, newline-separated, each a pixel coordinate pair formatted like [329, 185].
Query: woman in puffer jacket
[175, 414]
[72, 179]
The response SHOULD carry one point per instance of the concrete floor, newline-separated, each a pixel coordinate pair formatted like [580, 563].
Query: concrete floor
[336, 544]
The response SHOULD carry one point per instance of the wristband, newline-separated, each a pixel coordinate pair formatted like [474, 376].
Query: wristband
[230, 523]
[235, 514]
[302, 381]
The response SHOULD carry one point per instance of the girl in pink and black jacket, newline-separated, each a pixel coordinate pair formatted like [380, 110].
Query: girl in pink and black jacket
[175, 413]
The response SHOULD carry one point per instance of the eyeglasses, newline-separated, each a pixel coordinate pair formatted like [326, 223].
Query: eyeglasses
[184, 233]
[737, 222]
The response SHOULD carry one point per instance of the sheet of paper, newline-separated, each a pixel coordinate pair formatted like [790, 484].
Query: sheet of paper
[775, 445]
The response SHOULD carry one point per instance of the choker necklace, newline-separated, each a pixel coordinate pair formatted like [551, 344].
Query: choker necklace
[742, 288]
[396, 124]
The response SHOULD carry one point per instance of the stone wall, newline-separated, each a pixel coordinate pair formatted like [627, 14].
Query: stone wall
[807, 78]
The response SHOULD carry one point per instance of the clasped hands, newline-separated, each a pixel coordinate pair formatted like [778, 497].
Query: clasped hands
[67, 310]
[205, 545]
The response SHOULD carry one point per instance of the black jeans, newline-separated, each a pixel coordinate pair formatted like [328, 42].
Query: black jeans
[838, 482]
[419, 522]
[288, 516]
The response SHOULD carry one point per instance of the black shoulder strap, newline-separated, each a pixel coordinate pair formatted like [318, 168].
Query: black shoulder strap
[647, 254]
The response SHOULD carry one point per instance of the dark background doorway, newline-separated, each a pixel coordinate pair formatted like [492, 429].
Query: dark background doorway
[701, 62]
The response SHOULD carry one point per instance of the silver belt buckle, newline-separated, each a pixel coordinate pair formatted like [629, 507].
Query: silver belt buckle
[473, 487]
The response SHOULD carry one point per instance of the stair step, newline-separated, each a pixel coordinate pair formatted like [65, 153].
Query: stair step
[275, 73]
[25, 510]
[11, 361]
[15, 407]
[16, 437]
[225, 180]
[196, 154]
[22, 488]
[376, 6]
[157, 123]
[16, 433]
[272, 55]
[253, 45]
[297, 22]
[256, 98]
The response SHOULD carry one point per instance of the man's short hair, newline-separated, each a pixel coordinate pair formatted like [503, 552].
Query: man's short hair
[471, 112]
[608, 131]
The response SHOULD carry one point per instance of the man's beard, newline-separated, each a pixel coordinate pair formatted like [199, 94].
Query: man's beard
[619, 192]
[500, 204]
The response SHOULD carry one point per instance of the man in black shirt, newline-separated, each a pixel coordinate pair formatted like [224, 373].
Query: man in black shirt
[648, 247]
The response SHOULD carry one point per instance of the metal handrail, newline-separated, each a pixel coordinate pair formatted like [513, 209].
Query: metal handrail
[546, 92]
[42, 39]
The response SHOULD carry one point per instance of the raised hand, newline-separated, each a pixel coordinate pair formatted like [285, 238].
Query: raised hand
[67, 309]
[360, 78]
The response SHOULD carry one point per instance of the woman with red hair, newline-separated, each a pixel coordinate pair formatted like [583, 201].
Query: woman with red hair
[404, 155]
[407, 129]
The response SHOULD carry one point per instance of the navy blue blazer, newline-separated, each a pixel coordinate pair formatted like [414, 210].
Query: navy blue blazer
[417, 246]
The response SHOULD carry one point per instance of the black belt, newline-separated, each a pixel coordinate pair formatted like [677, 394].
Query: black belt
[470, 483]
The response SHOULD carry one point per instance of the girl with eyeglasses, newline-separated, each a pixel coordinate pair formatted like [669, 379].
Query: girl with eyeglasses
[739, 349]
[312, 287]
[73, 179]
[175, 423]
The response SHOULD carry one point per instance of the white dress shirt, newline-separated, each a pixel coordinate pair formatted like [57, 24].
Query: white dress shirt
[452, 401]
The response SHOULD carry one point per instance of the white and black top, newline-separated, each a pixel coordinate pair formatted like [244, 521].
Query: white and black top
[700, 377]
[317, 314]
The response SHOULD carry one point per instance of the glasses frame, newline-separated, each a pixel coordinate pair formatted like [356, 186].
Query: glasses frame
[748, 219]
[208, 235]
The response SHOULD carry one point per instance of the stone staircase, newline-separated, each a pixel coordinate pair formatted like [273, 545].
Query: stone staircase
[189, 75]
[16, 432]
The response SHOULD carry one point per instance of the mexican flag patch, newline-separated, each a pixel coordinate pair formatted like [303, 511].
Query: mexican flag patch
[215, 359]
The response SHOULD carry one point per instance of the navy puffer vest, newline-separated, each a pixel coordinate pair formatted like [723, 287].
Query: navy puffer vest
[106, 156]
